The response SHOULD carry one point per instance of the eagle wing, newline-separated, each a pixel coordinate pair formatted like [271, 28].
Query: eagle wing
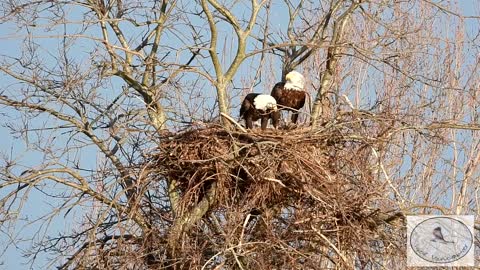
[288, 98]
[247, 103]
[277, 92]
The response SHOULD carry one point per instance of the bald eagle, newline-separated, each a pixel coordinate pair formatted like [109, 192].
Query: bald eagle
[290, 94]
[258, 106]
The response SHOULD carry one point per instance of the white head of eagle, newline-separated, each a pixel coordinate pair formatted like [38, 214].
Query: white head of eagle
[265, 102]
[294, 80]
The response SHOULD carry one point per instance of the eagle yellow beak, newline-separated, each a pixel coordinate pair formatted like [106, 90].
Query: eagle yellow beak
[288, 77]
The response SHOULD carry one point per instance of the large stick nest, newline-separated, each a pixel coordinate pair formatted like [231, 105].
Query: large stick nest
[316, 192]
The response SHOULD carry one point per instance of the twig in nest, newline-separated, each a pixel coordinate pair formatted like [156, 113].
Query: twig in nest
[275, 180]
[349, 103]
[342, 256]
[234, 122]
[245, 223]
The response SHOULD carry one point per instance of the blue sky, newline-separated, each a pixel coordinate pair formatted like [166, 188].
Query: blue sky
[17, 148]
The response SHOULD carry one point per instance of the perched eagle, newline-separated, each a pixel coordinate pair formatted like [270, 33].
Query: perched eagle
[290, 94]
[258, 106]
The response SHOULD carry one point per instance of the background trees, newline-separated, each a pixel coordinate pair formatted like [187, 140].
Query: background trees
[91, 88]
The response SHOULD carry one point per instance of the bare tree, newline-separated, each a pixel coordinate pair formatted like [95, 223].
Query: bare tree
[123, 112]
[242, 35]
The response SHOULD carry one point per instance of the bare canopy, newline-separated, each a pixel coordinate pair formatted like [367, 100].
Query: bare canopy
[122, 150]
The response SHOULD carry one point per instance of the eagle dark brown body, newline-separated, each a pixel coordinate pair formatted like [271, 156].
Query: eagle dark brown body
[251, 114]
[292, 100]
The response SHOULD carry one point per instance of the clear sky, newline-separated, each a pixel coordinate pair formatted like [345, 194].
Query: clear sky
[16, 148]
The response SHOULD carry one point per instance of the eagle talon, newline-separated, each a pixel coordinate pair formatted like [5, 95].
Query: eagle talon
[291, 126]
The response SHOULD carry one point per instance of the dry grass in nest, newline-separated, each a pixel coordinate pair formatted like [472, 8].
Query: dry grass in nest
[285, 198]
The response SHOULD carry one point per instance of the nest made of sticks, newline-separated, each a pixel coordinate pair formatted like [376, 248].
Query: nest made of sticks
[321, 182]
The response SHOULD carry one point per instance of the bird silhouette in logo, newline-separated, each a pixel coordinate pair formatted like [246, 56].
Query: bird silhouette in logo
[438, 236]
